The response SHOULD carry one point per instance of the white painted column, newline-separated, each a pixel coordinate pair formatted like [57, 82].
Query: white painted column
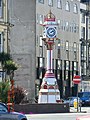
[49, 60]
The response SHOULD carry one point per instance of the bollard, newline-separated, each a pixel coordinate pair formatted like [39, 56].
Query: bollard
[75, 103]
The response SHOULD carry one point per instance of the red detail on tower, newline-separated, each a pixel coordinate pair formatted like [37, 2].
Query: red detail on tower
[45, 86]
[51, 87]
[49, 75]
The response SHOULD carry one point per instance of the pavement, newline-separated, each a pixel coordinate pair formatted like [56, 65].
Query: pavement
[80, 110]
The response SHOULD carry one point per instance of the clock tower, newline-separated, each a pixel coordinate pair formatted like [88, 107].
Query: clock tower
[49, 92]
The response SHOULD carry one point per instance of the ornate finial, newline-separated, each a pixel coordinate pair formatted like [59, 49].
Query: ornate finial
[50, 16]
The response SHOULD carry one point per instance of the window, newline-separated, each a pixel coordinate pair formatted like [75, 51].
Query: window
[58, 24]
[53, 64]
[75, 56]
[58, 74]
[75, 66]
[66, 77]
[89, 20]
[67, 45]
[64, 25]
[41, 62]
[1, 43]
[67, 54]
[74, 47]
[85, 52]
[58, 52]
[41, 42]
[40, 19]
[40, 68]
[67, 26]
[58, 68]
[77, 27]
[41, 1]
[83, 18]
[89, 33]
[3, 108]
[59, 64]
[61, 24]
[0, 76]
[0, 8]
[0, 3]
[74, 28]
[40, 51]
[67, 50]
[70, 27]
[82, 32]
[84, 70]
[75, 9]
[50, 2]
[59, 4]
[67, 6]
[67, 65]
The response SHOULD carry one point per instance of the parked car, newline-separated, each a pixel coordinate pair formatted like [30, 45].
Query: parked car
[6, 115]
[85, 97]
[70, 100]
[87, 117]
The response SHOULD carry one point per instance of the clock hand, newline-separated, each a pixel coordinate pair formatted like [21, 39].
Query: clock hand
[51, 31]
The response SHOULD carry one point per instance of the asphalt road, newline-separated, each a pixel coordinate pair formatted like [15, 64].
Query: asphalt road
[60, 116]
[57, 116]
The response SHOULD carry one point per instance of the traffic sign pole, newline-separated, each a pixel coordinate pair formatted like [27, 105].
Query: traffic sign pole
[77, 97]
[77, 80]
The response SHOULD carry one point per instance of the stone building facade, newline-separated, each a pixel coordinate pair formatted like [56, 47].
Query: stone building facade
[4, 30]
[66, 55]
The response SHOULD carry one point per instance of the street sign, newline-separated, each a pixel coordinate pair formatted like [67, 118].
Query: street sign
[76, 79]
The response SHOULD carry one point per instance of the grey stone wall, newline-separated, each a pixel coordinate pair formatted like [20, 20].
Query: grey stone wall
[22, 42]
[43, 108]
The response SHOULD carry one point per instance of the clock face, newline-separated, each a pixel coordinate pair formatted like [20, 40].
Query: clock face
[51, 32]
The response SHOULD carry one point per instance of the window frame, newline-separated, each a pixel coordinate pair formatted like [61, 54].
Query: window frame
[74, 46]
[1, 42]
[67, 26]
[50, 2]
[1, 8]
[59, 4]
[82, 32]
[67, 6]
[40, 19]
[67, 45]
[75, 8]
[67, 65]
[41, 1]
[83, 18]
[58, 50]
